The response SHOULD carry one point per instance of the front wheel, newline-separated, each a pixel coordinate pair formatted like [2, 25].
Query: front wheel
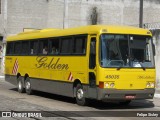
[28, 86]
[80, 98]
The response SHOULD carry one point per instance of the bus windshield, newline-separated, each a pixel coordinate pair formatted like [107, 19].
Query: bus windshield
[118, 51]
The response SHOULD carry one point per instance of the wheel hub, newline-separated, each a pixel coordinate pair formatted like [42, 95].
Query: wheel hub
[19, 85]
[28, 85]
[80, 93]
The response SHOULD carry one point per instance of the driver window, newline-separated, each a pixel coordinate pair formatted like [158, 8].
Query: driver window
[92, 59]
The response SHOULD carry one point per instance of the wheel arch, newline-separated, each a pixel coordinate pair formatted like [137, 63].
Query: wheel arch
[25, 76]
[76, 81]
[18, 74]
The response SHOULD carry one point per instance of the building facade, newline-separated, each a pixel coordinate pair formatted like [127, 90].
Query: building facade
[17, 15]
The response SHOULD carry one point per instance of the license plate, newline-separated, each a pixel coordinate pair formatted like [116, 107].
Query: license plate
[129, 97]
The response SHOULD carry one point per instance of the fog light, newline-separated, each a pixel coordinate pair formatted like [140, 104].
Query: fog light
[107, 85]
[112, 85]
[152, 85]
[148, 85]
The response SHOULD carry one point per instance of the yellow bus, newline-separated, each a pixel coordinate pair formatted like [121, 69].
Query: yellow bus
[89, 62]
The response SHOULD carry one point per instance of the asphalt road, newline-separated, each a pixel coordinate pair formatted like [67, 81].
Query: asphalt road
[64, 108]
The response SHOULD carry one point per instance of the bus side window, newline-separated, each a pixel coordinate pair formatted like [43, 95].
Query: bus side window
[31, 51]
[45, 50]
[17, 48]
[92, 58]
[53, 46]
[10, 48]
[67, 44]
[34, 47]
[25, 48]
[43, 46]
[80, 45]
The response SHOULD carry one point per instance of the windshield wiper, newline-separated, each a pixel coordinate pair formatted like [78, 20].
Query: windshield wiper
[120, 67]
[140, 64]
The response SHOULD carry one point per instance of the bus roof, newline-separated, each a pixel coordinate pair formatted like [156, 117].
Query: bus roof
[90, 29]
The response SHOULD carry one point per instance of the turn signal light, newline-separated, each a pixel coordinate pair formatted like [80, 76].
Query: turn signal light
[101, 84]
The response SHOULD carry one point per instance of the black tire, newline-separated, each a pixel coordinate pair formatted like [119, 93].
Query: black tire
[28, 86]
[80, 98]
[20, 86]
[127, 102]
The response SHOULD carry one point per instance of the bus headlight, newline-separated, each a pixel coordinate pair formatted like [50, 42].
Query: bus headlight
[152, 85]
[107, 85]
[148, 85]
[112, 85]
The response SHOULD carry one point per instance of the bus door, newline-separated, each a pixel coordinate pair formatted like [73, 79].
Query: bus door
[92, 68]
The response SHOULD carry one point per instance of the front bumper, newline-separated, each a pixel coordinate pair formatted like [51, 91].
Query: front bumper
[113, 94]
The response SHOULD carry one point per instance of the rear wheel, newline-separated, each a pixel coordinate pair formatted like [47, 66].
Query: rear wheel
[80, 98]
[28, 86]
[20, 85]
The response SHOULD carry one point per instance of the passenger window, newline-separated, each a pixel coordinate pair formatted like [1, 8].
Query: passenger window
[54, 46]
[17, 48]
[34, 47]
[43, 46]
[10, 48]
[80, 45]
[25, 48]
[66, 45]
